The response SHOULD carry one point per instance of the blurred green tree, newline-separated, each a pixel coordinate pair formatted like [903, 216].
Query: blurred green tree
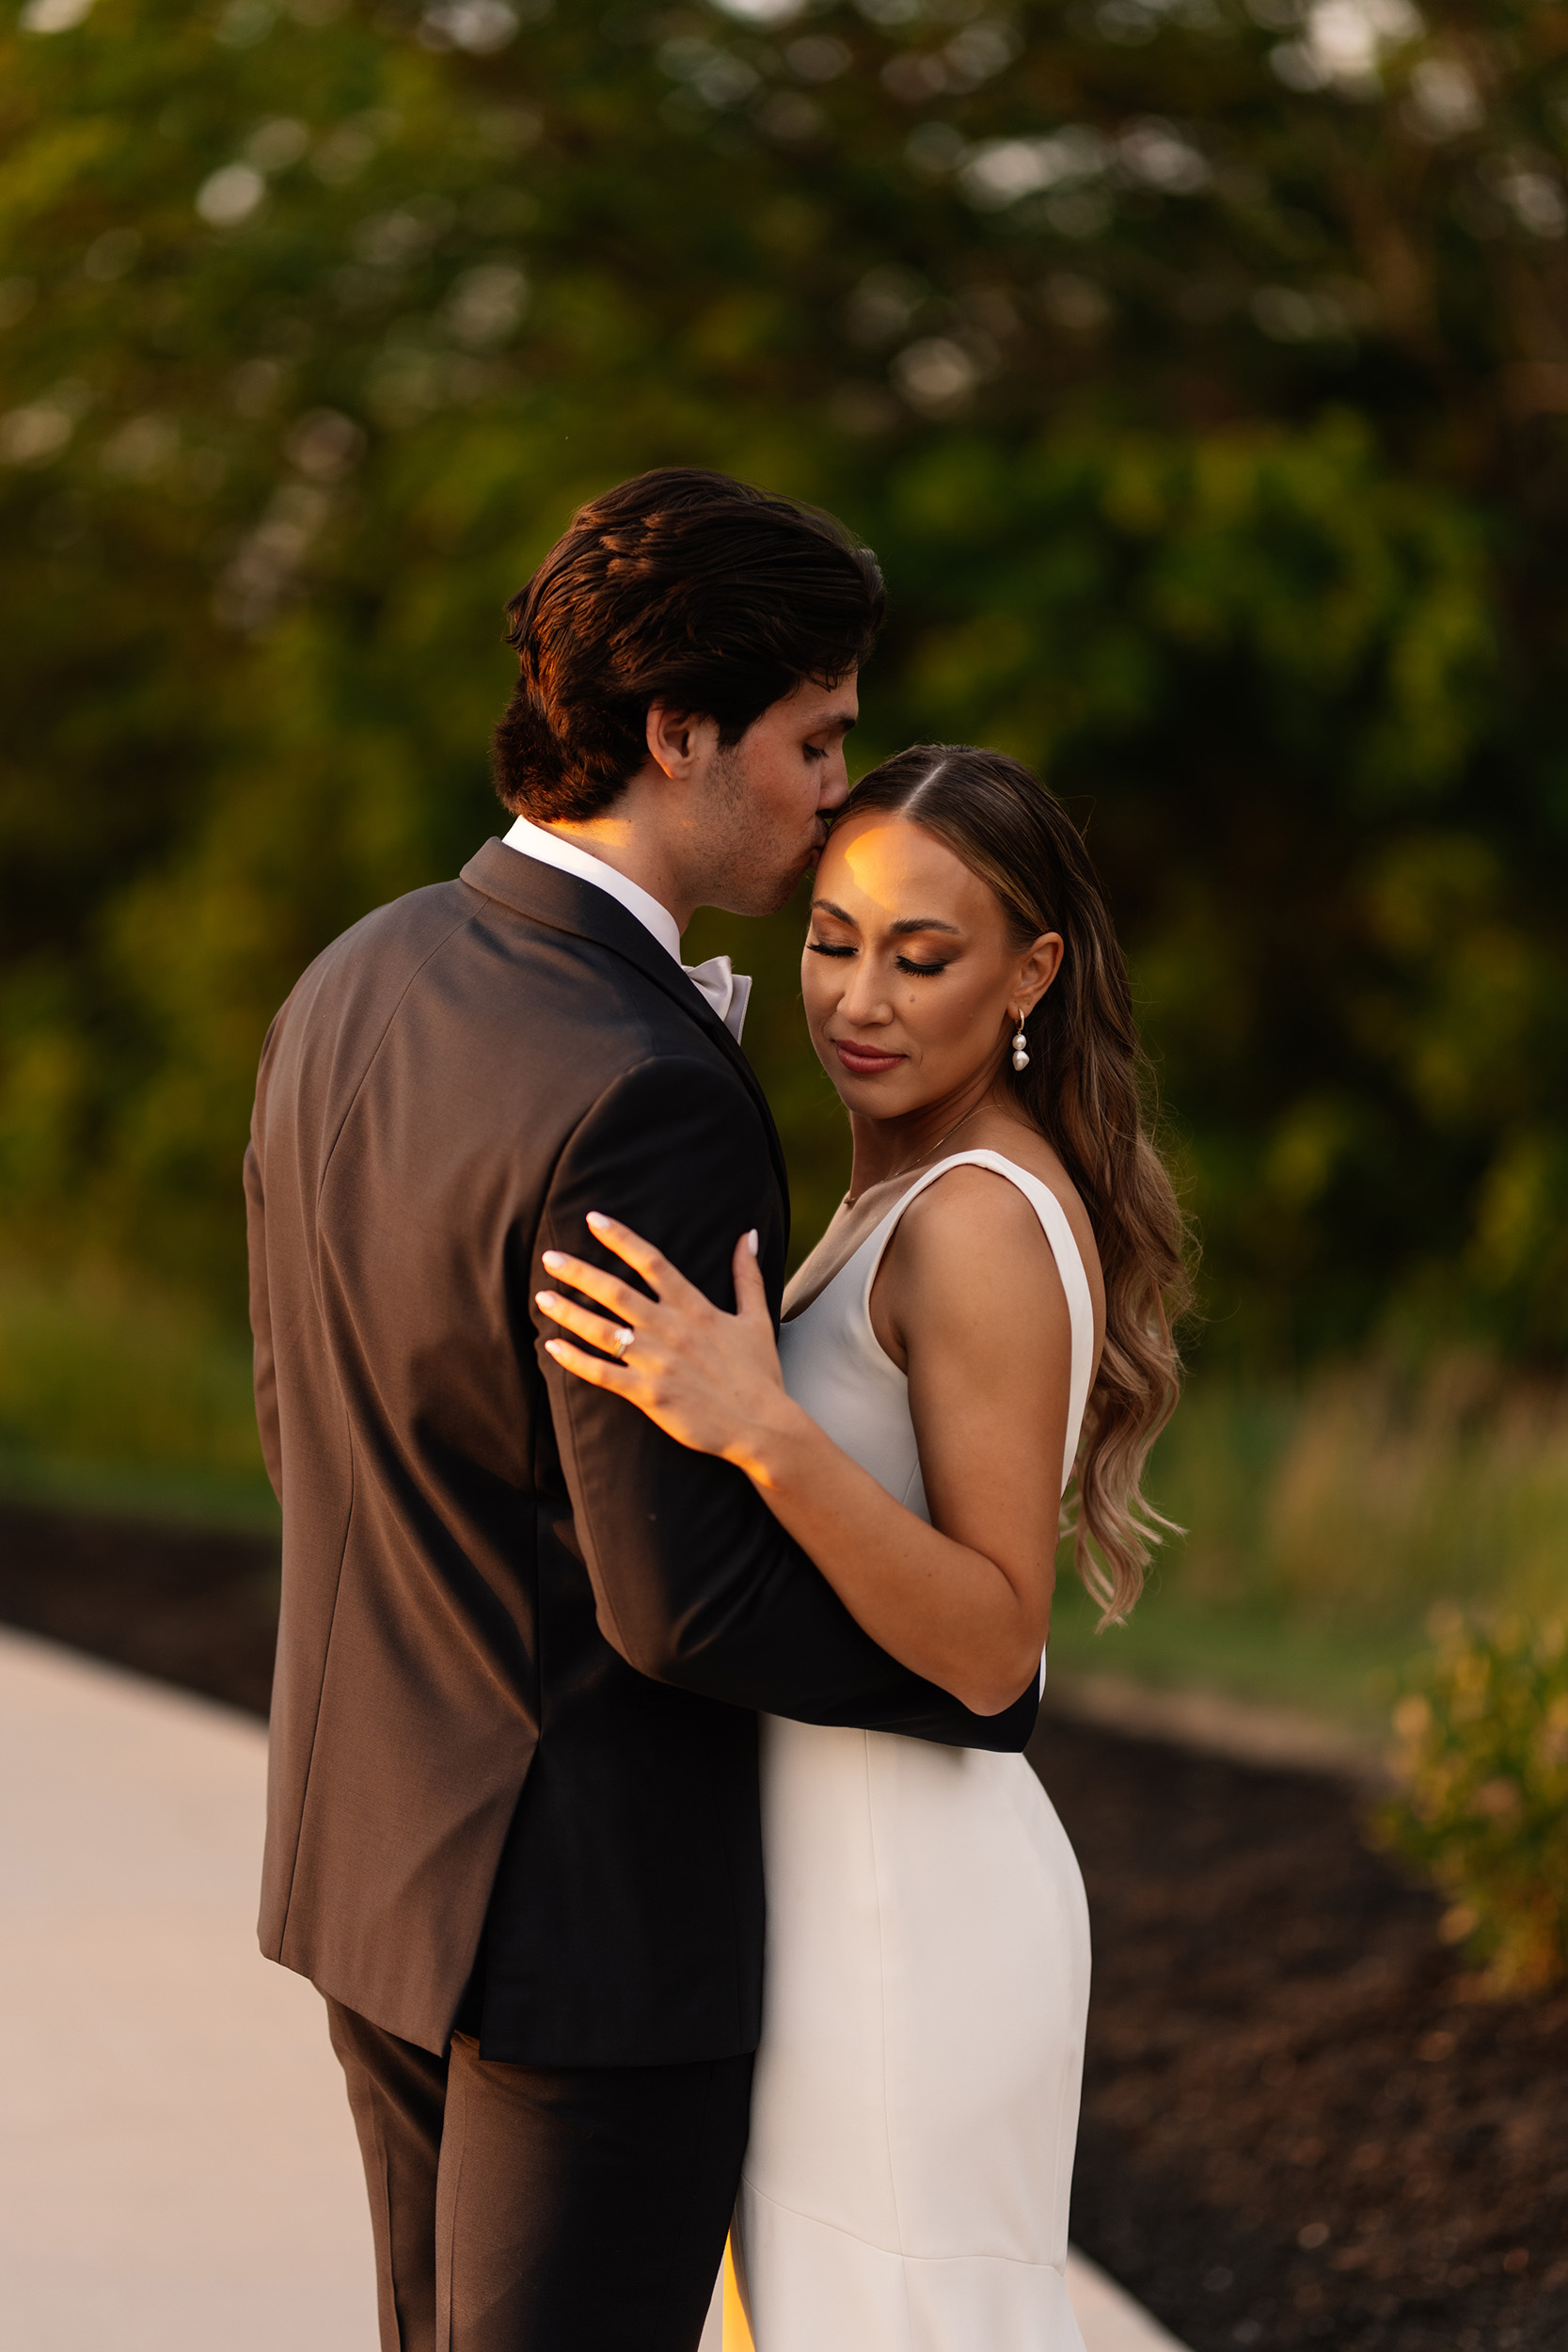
[1198, 371]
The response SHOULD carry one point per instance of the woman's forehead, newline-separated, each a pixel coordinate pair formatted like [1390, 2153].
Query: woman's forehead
[883, 860]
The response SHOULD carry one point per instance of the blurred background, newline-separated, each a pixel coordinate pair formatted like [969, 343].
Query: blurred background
[1200, 373]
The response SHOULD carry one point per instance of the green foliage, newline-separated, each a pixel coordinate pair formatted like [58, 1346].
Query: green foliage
[110, 1389]
[1196, 379]
[1483, 1805]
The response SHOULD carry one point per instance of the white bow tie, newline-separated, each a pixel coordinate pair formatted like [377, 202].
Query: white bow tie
[727, 991]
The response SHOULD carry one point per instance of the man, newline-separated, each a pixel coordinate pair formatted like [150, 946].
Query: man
[512, 1827]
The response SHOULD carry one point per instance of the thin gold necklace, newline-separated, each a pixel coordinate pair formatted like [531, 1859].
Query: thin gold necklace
[931, 1147]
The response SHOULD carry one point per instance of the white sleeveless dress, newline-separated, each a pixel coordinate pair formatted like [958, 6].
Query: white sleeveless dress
[915, 2105]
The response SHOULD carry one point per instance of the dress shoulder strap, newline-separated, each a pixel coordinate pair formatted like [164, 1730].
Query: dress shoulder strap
[1064, 1250]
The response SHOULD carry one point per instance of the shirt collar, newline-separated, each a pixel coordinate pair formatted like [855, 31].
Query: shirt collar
[728, 992]
[553, 849]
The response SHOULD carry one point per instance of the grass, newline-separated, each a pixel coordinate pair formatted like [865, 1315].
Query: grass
[1176, 1642]
[1326, 1517]
[114, 1397]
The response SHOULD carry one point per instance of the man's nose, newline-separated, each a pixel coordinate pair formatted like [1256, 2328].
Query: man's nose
[835, 786]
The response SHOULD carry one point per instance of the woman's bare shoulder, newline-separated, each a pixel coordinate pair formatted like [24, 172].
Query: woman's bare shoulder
[964, 1209]
[974, 1236]
[964, 1197]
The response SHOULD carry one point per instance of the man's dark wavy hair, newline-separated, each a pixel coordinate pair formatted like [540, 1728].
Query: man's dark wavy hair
[681, 587]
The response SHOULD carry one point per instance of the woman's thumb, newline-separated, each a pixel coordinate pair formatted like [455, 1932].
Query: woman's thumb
[751, 1292]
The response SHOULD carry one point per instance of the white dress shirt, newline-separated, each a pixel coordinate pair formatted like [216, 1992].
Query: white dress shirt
[727, 991]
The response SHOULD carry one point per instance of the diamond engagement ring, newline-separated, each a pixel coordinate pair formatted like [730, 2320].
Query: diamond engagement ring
[623, 1341]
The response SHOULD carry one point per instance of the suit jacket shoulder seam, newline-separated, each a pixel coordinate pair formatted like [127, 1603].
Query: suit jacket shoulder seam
[372, 1057]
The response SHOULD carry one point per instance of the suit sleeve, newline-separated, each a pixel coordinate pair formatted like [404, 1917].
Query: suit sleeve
[695, 1581]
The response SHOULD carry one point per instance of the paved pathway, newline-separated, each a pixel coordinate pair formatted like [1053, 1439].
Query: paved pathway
[178, 2172]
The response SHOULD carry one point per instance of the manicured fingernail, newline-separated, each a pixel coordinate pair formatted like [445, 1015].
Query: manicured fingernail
[545, 1299]
[550, 1346]
[552, 1257]
[596, 1217]
[752, 1241]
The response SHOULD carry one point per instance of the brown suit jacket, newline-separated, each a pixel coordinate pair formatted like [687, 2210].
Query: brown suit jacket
[524, 1635]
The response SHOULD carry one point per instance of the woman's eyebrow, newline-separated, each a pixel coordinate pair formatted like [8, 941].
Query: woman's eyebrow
[896, 930]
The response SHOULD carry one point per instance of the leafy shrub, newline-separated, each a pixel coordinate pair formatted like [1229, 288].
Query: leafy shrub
[1482, 1804]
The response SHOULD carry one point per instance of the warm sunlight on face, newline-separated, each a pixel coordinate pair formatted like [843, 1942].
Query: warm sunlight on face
[910, 977]
[772, 795]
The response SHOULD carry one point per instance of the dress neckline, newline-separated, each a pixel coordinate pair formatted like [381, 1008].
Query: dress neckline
[982, 1153]
[865, 1258]
[869, 1194]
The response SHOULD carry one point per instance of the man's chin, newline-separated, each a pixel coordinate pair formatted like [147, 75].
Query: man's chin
[766, 895]
[790, 883]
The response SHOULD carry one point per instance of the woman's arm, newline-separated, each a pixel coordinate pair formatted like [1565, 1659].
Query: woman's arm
[695, 1582]
[977, 1309]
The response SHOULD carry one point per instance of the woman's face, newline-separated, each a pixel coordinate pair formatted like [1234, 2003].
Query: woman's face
[910, 977]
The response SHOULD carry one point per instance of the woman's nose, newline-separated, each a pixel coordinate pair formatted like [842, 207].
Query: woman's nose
[864, 999]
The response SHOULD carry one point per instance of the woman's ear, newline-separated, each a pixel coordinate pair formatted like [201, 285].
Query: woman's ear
[1037, 970]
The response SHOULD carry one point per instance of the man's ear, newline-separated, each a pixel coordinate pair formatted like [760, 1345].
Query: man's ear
[676, 739]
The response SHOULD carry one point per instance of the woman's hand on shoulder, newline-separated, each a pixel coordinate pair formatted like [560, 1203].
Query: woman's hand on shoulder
[709, 1380]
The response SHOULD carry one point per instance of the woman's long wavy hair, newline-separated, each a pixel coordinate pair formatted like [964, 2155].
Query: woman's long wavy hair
[1088, 1091]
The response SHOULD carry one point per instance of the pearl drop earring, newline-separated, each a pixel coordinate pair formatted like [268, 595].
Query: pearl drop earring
[1021, 1047]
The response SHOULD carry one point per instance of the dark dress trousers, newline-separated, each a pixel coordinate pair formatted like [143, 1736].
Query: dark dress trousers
[524, 1634]
[542, 2209]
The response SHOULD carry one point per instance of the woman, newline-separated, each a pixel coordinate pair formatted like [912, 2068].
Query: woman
[990, 1309]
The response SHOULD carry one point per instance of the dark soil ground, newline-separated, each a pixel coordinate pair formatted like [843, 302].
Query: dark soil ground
[1301, 2125]
[189, 1605]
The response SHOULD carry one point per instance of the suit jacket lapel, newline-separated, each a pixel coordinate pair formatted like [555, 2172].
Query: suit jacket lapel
[545, 895]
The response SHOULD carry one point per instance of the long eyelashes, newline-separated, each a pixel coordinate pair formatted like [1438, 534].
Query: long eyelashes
[916, 971]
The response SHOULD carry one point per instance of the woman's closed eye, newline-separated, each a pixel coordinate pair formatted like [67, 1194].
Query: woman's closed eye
[902, 963]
